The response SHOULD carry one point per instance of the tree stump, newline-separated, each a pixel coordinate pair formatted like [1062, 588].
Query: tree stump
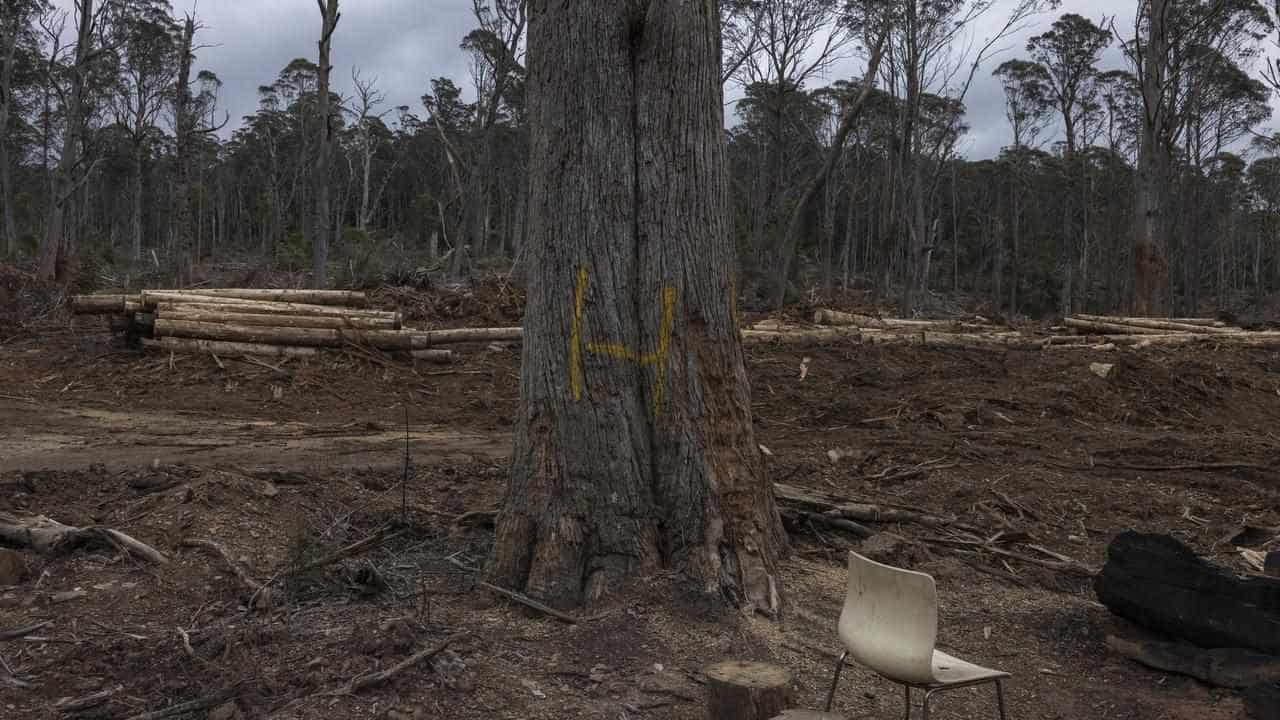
[738, 690]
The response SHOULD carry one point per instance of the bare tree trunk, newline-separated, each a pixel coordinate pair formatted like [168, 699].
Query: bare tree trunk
[320, 178]
[634, 447]
[187, 247]
[63, 185]
[1152, 192]
[135, 207]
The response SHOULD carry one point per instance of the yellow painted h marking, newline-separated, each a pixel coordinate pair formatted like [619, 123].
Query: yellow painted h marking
[619, 351]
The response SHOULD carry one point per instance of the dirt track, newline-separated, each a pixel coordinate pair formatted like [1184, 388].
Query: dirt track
[34, 436]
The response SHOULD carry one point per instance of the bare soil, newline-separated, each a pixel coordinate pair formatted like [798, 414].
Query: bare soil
[281, 465]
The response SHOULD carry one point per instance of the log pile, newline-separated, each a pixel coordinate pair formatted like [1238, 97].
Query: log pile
[1080, 331]
[281, 323]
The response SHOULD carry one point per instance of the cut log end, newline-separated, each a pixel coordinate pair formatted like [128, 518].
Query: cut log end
[741, 690]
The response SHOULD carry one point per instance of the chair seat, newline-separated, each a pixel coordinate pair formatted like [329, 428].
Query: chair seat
[948, 670]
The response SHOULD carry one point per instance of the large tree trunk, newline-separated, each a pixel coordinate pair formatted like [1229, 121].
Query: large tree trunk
[187, 251]
[634, 446]
[136, 200]
[320, 177]
[1152, 192]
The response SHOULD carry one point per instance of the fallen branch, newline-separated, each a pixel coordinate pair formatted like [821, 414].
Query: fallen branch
[1223, 667]
[22, 631]
[518, 597]
[50, 537]
[848, 526]
[1068, 566]
[203, 703]
[240, 572]
[353, 548]
[373, 679]
[85, 702]
[862, 512]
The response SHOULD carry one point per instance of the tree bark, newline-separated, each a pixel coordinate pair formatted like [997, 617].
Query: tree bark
[187, 251]
[320, 177]
[634, 446]
[1152, 191]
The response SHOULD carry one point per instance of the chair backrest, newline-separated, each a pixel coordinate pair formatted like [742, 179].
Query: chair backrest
[890, 620]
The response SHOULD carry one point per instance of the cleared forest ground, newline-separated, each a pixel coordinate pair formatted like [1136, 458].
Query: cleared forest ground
[283, 466]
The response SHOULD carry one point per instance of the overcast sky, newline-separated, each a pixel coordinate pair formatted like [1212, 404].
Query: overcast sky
[405, 43]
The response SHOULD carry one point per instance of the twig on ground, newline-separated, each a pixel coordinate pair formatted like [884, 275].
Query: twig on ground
[518, 597]
[203, 703]
[226, 557]
[372, 679]
[23, 631]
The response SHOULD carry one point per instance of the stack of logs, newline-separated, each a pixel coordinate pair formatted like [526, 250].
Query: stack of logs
[1095, 332]
[1144, 332]
[270, 322]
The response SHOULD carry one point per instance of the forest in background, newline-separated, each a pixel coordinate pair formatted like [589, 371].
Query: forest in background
[1151, 186]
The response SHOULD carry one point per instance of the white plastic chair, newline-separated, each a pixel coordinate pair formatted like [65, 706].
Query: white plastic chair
[890, 623]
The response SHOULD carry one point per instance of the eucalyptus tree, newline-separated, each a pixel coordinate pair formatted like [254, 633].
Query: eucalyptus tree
[1028, 104]
[633, 446]
[322, 224]
[143, 34]
[19, 50]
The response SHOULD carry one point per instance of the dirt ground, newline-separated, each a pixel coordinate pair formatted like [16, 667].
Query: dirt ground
[284, 465]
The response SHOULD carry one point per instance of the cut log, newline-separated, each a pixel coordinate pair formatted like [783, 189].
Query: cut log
[738, 690]
[1159, 583]
[296, 321]
[226, 349]
[350, 298]
[316, 337]
[50, 537]
[1112, 328]
[881, 337]
[837, 318]
[1204, 322]
[274, 308]
[1154, 324]
[1223, 667]
[99, 304]
[435, 356]
[823, 316]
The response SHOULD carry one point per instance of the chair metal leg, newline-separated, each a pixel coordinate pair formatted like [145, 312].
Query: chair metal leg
[1000, 698]
[831, 694]
[925, 712]
[908, 715]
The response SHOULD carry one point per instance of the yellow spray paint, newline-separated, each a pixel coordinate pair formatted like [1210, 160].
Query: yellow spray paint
[619, 351]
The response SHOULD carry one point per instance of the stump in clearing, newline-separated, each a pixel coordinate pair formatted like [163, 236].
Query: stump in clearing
[738, 690]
